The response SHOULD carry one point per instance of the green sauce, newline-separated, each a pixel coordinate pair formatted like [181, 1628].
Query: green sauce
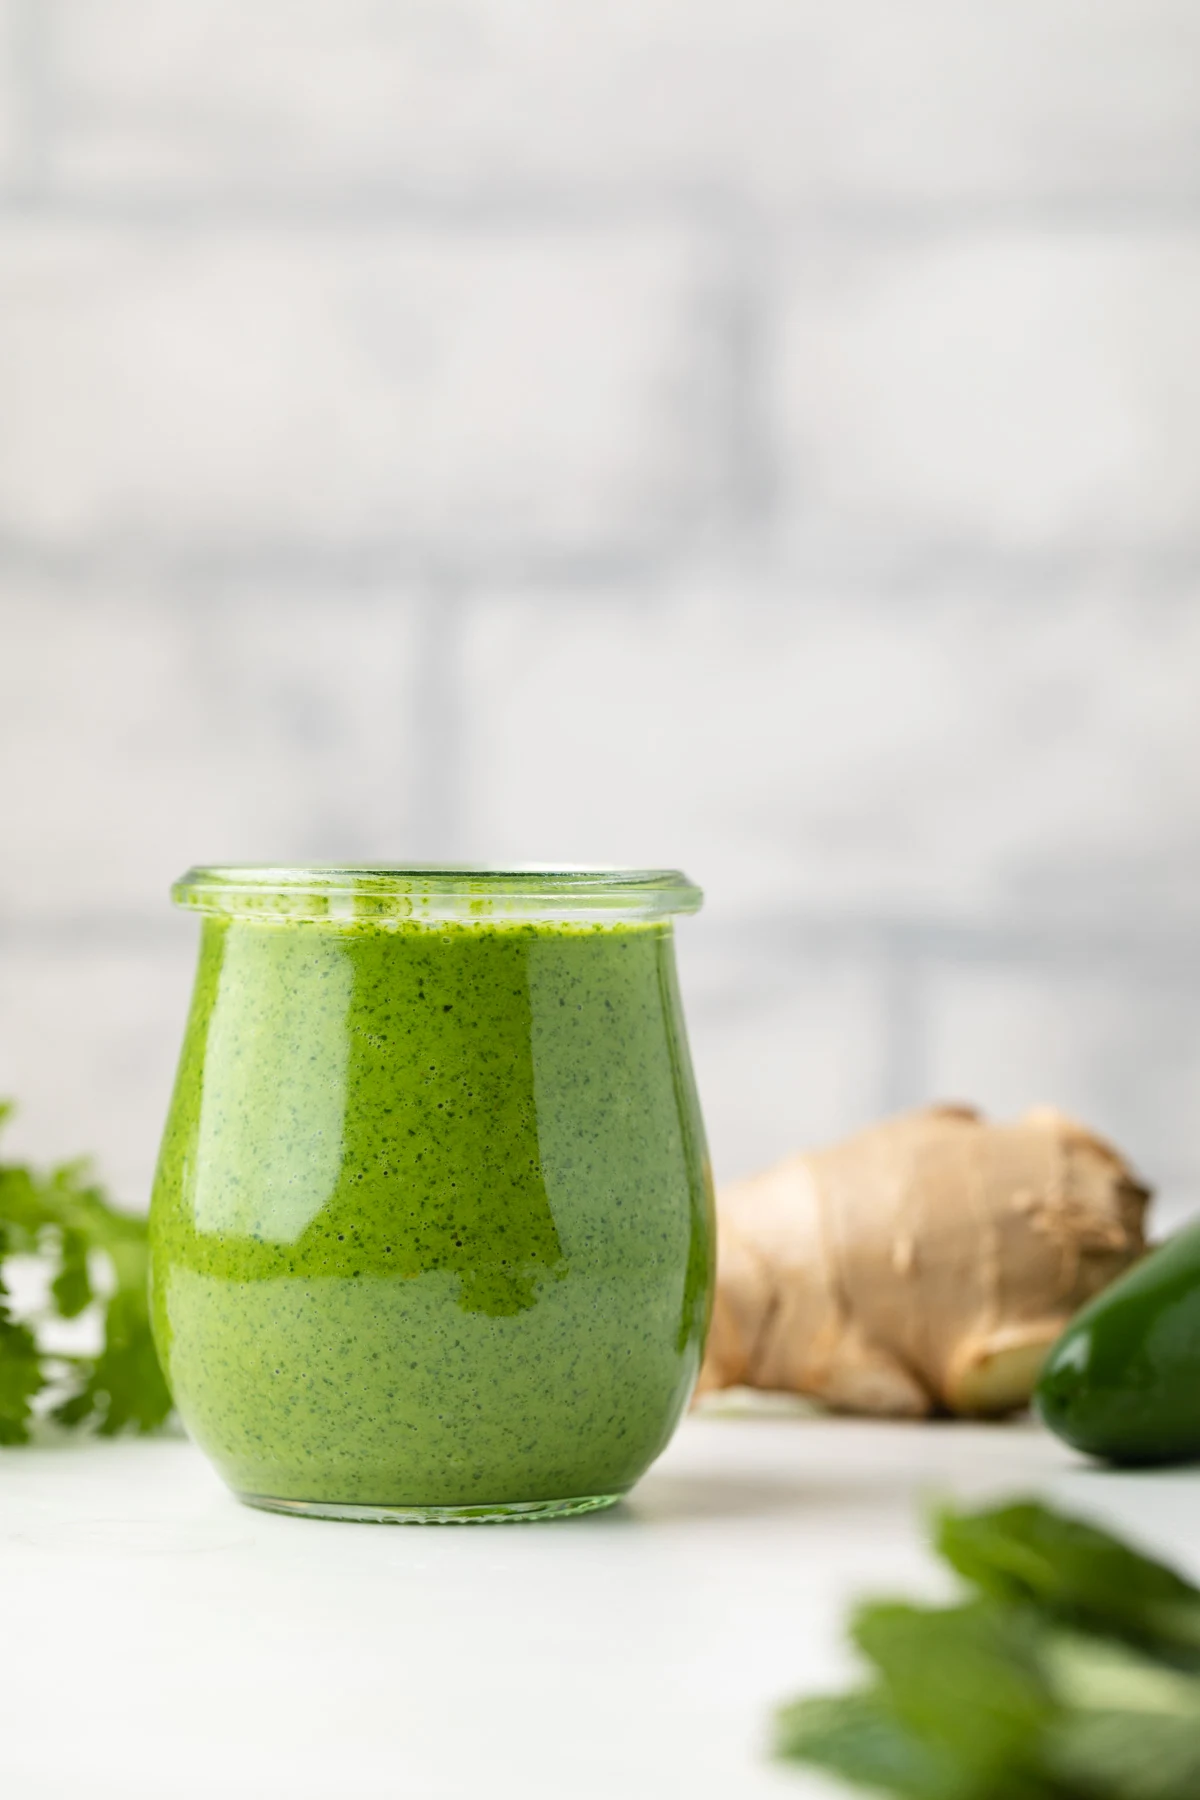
[432, 1221]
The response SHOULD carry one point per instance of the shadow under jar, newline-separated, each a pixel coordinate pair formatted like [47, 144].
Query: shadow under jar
[432, 1234]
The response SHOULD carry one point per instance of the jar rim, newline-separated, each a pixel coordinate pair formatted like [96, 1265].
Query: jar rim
[464, 891]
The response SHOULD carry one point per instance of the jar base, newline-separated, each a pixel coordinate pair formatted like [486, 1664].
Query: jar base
[514, 1512]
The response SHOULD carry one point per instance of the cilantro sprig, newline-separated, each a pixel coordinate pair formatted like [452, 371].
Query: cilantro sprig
[92, 1255]
[1072, 1672]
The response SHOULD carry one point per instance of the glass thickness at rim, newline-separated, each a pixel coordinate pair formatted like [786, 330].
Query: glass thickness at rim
[433, 891]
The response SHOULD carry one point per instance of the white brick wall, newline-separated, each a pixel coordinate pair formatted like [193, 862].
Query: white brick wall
[782, 1046]
[1113, 1037]
[981, 759]
[785, 100]
[144, 734]
[240, 385]
[90, 1039]
[9, 95]
[757, 433]
[1023, 390]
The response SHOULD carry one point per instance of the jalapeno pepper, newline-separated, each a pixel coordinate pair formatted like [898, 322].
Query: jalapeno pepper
[1123, 1380]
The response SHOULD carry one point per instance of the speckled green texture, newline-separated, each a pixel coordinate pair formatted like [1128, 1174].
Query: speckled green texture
[432, 1224]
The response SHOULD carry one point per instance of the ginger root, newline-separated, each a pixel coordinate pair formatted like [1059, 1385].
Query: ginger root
[924, 1265]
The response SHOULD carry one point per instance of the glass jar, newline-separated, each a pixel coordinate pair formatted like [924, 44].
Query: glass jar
[431, 1234]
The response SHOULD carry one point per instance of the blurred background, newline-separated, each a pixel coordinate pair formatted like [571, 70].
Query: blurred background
[758, 435]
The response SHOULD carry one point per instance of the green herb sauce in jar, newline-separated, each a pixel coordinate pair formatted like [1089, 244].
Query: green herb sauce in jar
[432, 1227]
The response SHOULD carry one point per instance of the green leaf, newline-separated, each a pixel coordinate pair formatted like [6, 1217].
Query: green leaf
[22, 1210]
[20, 1366]
[1000, 1699]
[1098, 1674]
[1072, 1570]
[1117, 1755]
[857, 1737]
[65, 1218]
[72, 1287]
[967, 1680]
[128, 1371]
[21, 1379]
[124, 1386]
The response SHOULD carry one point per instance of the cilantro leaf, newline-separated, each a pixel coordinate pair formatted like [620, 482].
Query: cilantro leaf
[72, 1287]
[65, 1220]
[20, 1379]
[125, 1384]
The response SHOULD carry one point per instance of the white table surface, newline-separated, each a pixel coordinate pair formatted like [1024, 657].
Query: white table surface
[161, 1642]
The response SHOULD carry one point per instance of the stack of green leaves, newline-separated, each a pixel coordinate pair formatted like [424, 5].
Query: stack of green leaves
[1072, 1672]
[92, 1255]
